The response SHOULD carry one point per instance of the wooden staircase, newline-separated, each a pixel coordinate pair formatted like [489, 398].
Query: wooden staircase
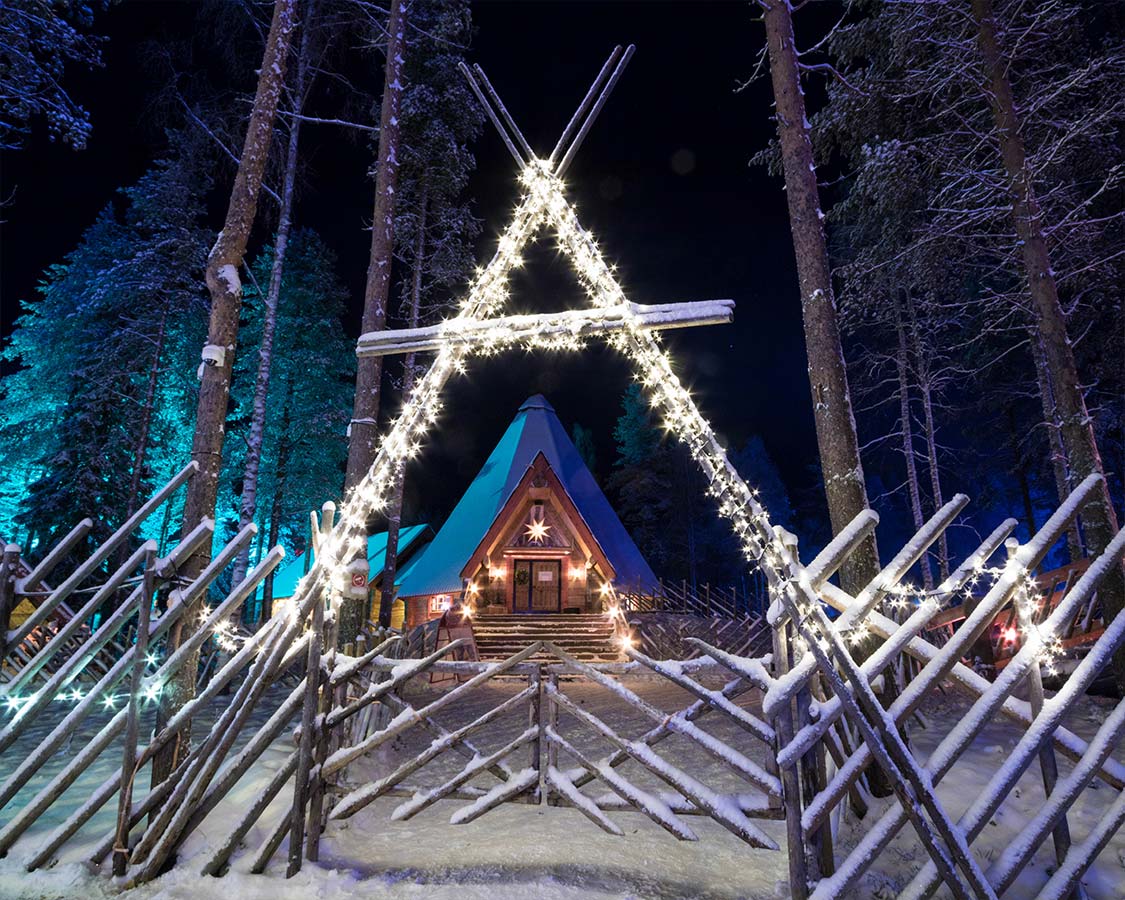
[588, 637]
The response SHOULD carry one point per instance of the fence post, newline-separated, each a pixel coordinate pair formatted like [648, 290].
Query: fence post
[9, 565]
[304, 761]
[1048, 765]
[535, 720]
[790, 781]
[552, 721]
[129, 755]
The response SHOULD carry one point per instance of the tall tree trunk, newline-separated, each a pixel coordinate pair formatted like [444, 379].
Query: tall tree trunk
[1021, 472]
[902, 370]
[828, 379]
[394, 517]
[929, 429]
[364, 425]
[284, 451]
[249, 499]
[363, 430]
[1099, 518]
[1059, 464]
[140, 448]
[225, 289]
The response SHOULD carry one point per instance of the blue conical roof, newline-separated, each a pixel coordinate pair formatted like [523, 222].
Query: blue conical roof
[535, 429]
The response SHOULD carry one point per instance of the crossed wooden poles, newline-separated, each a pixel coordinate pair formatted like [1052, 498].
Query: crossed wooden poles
[176, 806]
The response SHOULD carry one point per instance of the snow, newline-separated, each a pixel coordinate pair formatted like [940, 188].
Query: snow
[518, 850]
[228, 275]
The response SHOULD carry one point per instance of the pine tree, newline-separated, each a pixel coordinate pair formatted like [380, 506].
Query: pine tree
[584, 443]
[123, 310]
[758, 469]
[306, 409]
[434, 225]
[38, 41]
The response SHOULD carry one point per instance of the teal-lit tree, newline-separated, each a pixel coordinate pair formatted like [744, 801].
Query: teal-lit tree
[303, 445]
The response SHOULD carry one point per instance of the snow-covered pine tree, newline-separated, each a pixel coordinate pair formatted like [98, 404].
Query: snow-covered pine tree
[434, 228]
[124, 309]
[38, 42]
[306, 408]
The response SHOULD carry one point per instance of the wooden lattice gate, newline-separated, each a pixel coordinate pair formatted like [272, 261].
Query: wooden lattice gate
[788, 735]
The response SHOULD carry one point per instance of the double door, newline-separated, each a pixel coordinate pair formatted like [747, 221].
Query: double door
[538, 587]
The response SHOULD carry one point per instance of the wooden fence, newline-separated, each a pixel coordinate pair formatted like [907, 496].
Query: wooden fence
[730, 601]
[804, 723]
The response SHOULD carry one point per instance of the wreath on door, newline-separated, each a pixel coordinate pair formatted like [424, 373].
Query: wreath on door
[523, 576]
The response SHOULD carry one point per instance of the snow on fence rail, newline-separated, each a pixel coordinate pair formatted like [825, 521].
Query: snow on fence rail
[796, 729]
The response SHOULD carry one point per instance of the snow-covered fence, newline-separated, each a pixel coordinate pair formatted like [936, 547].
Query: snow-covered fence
[668, 635]
[848, 696]
[731, 602]
[789, 736]
[109, 670]
[535, 683]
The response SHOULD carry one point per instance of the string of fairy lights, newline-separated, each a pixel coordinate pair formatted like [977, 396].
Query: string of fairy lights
[543, 203]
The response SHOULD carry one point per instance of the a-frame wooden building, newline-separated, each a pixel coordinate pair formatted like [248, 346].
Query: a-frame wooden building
[533, 533]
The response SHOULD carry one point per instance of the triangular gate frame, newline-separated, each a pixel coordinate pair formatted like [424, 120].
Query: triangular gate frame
[544, 203]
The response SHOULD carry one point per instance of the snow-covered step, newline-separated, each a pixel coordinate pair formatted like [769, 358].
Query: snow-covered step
[590, 638]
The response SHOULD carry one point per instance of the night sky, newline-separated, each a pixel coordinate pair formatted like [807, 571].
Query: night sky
[663, 181]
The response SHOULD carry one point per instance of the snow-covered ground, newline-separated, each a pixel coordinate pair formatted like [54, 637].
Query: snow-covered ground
[520, 851]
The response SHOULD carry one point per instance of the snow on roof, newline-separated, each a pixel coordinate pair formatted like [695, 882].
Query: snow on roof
[536, 427]
[285, 581]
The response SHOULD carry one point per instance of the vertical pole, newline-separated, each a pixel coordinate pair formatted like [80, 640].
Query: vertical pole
[553, 722]
[9, 565]
[316, 792]
[817, 781]
[1048, 765]
[304, 761]
[790, 781]
[129, 754]
[535, 720]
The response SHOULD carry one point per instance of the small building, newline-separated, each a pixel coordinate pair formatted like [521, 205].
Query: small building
[533, 533]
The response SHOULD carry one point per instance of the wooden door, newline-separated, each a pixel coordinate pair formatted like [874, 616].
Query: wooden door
[538, 586]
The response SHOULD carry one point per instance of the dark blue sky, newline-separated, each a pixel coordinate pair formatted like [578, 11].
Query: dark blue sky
[663, 181]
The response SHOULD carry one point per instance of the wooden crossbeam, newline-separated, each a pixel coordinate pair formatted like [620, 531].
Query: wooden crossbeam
[504, 331]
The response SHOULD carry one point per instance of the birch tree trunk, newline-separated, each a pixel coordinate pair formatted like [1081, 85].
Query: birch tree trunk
[902, 370]
[249, 499]
[225, 289]
[828, 379]
[394, 517]
[1075, 424]
[929, 429]
[363, 430]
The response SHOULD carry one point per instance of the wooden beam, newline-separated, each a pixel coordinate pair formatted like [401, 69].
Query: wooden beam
[506, 330]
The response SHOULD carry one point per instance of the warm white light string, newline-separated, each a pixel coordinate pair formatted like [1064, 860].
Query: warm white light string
[544, 202]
